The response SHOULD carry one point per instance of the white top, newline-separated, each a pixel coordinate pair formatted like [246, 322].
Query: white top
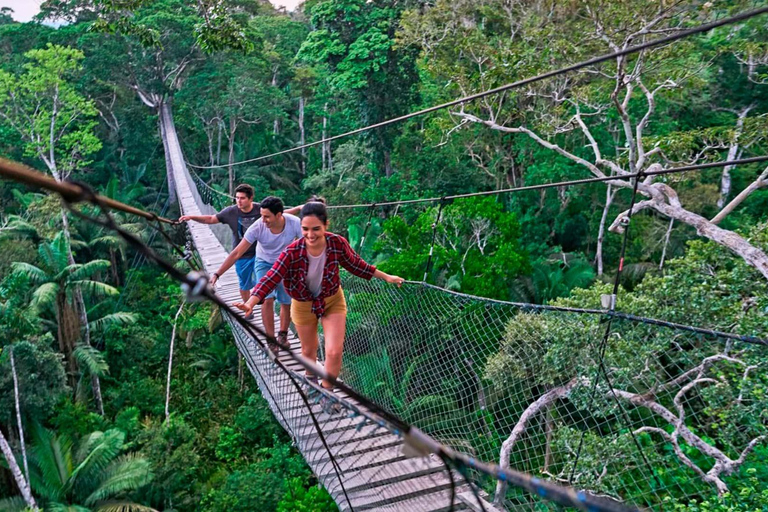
[271, 245]
[315, 273]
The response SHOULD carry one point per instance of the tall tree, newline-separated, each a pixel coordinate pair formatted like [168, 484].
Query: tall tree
[580, 108]
[356, 40]
[57, 283]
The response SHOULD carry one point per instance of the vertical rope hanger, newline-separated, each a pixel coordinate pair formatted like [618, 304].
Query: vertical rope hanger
[367, 226]
[604, 343]
[434, 236]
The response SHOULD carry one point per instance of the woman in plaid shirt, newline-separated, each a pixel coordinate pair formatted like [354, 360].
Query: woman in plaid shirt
[309, 269]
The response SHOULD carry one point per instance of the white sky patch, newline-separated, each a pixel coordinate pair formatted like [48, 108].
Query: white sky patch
[23, 10]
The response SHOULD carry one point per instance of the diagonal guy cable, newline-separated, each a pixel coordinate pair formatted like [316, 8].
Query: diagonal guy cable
[513, 85]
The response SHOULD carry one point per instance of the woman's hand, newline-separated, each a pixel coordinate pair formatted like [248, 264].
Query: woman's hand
[247, 307]
[395, 280]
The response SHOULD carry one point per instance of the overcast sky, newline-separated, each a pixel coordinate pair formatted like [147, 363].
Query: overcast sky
[23, 10]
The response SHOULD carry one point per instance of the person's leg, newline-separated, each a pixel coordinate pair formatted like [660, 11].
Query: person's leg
[285, 317]
[285, 314]
[334, 329]
[306, 328]
[268, 316]
[246, 276]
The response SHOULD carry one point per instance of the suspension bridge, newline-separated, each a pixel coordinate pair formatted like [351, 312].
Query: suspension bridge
[436, 358]
[590, 408]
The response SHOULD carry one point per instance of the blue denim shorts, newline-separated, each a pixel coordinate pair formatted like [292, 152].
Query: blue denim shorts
[245, 273]
[279, 293]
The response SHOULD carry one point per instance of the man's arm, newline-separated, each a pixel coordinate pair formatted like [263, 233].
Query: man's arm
[294, 211]
[235, 255]
[203, 219]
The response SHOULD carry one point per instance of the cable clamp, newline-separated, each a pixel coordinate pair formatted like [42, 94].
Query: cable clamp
[194, 292]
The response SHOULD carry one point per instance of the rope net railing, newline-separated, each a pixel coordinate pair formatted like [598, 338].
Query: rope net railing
[512, 383]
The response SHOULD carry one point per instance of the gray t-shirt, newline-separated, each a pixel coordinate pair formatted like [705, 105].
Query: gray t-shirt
[270, 245]
[239, 222]
[315, 273]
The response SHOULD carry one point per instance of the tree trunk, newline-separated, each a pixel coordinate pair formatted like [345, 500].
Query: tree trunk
[68, 334]
[170, 362]
[190, 338]
[324, 146]
[18, 413]
[218, 145]
[232, 130]
[751, 255]
[758, 183]
[733, 151]
[301, 137]
[548, 430]
[388, 163]
[610, 194]
[21, 482]
[543, 402]
[115, 268]
[276, 124]
[666, 243]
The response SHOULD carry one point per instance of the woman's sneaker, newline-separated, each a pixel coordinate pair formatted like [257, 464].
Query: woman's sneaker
[329, 404]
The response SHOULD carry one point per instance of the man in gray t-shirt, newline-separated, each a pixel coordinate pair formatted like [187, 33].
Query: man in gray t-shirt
[239, 217]
[274, 232]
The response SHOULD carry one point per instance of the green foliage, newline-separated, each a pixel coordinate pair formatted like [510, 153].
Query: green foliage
[52, 117]
[300, 499]
[477, 247]
[41, 377]
[90, 472]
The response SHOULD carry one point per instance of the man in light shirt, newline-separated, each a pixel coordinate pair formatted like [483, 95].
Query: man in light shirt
[274, 231]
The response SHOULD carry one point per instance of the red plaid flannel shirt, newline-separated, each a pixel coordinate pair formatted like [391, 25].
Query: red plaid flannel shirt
[292, 265]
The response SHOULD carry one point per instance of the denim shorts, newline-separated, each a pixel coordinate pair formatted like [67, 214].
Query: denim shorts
[279, 293]
[245, 273]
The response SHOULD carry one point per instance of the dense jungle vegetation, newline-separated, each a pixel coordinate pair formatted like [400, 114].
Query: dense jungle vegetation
[86, 322]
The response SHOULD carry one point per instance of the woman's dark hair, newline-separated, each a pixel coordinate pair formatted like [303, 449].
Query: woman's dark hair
[273, 204]
[317, 209]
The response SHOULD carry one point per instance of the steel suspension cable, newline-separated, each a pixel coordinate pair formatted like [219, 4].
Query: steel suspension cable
[543, 186]
[513, 85]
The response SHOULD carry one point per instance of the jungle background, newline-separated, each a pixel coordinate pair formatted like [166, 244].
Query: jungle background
[86, 322]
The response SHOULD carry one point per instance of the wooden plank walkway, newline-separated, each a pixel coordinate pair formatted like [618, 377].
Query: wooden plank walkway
[363, 467]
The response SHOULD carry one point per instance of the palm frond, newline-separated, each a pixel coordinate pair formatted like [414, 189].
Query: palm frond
[113, 319]
[44, 295]
[91, 359]
[127, 473]
[36, 274]
[18, 227]
[108, 241]
[95, 288]
[78, 272]
[52, 456]
[94, 454]
[14, 504]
